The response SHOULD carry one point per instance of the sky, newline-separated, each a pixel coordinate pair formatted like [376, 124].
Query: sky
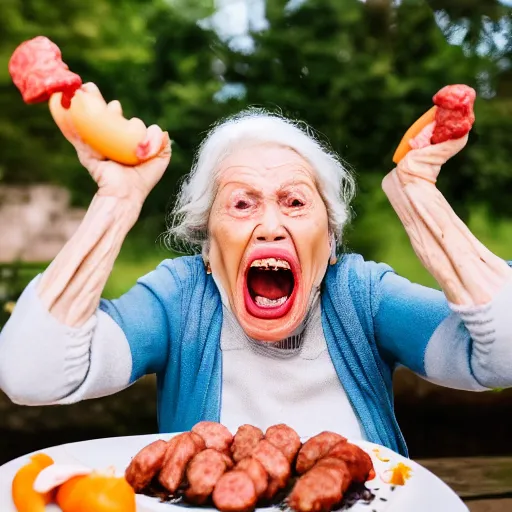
[234, 20]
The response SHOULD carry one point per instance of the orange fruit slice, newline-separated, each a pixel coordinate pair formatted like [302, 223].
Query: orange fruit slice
[25, 498]
[96, 492]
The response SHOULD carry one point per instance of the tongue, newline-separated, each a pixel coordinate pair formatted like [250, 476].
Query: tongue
[270, 284]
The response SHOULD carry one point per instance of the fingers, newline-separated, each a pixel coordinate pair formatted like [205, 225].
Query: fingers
[86, 155]
[156, 143]
[91, 88]
[115, 107]
[426, 162]
[153, 169]
[165, 147]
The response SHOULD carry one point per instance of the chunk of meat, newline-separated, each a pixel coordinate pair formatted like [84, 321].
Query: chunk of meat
[37, 70]
[146, 464]
[274, 462]
[246, 439]
[357, 460]
[203, 473]
[315, 448]
[256, 472]
[215, 435]
[198, 440]
[339, 469]
[454, 115]
[235, 492]
[273, 487]
[180, 451]
[318, 490]
[286, 439]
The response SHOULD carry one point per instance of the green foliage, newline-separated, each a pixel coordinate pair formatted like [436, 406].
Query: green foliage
[358, 72]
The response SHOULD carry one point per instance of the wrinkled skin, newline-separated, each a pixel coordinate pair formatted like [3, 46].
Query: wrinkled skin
[267, 196]
[466, 270]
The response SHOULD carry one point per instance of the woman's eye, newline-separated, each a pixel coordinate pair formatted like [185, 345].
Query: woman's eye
[296, 203]
[241, 205]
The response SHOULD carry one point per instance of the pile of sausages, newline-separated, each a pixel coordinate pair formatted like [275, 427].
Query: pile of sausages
[250, 468]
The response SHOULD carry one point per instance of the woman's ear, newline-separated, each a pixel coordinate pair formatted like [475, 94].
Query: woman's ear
[206, 260]
[334, 258]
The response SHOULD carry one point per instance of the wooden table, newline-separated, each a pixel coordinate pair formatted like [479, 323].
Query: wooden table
[484, 483]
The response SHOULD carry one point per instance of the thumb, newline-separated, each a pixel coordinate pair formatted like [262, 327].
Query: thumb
[426, 162]
[154, 168]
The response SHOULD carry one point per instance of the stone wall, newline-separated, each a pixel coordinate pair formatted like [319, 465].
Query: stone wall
[35, 222]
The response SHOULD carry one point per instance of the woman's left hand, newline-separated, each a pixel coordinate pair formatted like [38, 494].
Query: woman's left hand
[466, 270]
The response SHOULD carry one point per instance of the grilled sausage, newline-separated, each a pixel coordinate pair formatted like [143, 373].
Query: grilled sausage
[358, 461]
[146, 464]
[215, 435]
[286, 439]
[180, 451]
[315, 448]
[203, 473]
[318, 490]
[235, 492]
[339, 469]
[256, 472]
[246, 439]
[274, 462]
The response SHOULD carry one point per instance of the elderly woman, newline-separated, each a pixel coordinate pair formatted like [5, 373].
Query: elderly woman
[267, 325]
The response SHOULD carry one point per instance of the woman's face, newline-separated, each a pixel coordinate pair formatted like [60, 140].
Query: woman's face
[269, 239]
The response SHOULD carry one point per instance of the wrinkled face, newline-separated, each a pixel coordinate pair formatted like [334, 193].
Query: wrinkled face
[269, 238]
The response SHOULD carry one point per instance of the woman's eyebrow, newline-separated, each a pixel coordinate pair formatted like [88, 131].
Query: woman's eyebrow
[242, 184]
[296, 182]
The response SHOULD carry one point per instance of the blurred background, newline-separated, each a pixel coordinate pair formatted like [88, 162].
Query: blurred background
[359, 72]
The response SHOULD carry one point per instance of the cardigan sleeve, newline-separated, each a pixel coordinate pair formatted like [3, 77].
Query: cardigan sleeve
[143, 315]
[459, 347]
[44, 362]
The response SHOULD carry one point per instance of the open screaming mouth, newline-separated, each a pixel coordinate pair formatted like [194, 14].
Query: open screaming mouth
[270, 287]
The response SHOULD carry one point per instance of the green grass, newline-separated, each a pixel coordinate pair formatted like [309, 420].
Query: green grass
[139, 255]
[126, 272]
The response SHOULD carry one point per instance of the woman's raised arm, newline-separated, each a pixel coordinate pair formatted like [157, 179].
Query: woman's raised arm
[45, 347]
[466, 334]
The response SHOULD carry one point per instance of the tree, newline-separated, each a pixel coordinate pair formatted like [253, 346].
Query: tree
[360, 73]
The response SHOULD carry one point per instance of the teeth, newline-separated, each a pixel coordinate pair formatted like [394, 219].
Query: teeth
[271, 263]
[263, 301]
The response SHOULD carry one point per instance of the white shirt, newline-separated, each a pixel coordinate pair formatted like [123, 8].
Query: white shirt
[263, 384]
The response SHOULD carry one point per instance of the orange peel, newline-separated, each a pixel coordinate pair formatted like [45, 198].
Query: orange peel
[398, 475]
[404, 147]
[379, 455]
[25, 498]
[98, 492]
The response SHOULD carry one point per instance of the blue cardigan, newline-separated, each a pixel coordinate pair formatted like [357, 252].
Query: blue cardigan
[172, 319]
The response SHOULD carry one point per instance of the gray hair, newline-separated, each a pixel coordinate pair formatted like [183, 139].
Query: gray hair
[188, 226]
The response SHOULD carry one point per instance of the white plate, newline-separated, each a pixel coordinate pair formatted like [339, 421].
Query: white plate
[423, 492]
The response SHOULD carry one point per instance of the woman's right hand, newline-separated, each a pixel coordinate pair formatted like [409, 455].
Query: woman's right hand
[127, 183]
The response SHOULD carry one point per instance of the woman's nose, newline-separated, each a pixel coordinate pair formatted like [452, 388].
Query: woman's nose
[271, 228]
